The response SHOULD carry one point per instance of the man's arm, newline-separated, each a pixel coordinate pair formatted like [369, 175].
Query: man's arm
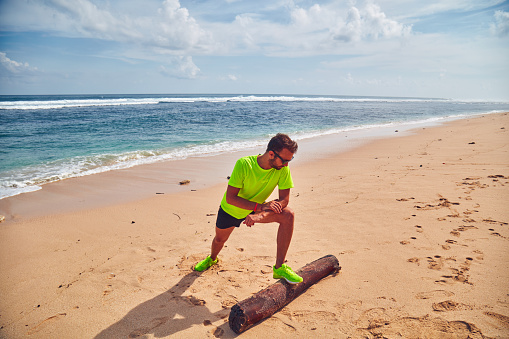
[270, 209]
[232, 197]
[276, 206]
[284, 198]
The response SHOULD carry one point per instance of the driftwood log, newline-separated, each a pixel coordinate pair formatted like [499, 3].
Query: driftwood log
[268, 301]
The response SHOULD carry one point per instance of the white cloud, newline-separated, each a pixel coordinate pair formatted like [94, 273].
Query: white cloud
[181, 67]
[89, 20]
[400, 9]
[314, 16]
[175, 28]
[437, 6]
[229, 77]
[16, 68]
[501, 25]
[166, 27]
[369, 23]
[318, 29]
[349, 78]
[352, 29]
[170, 28]
[187, 67]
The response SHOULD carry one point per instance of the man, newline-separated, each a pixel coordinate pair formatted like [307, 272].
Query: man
[253, 180]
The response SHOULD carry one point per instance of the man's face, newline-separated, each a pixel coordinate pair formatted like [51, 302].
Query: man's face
[280, 159]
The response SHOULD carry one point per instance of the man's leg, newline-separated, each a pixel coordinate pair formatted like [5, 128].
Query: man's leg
[284, 233]
[284, 237]
[217, 244]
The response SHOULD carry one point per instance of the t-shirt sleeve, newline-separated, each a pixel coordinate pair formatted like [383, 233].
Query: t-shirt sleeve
[238, 174]
[285, 180]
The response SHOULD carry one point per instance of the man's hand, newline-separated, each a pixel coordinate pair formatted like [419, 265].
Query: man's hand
[274, 206]
[251, 219]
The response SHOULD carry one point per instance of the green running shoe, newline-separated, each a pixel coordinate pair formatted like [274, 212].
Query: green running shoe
[204, 264]
[285, 272]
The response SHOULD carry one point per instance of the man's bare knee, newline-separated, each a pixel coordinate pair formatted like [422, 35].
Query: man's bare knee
[220, 240]
[288, 215]
[222, 236]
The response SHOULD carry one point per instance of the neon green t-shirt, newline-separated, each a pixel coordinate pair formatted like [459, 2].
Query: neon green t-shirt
[255, 183]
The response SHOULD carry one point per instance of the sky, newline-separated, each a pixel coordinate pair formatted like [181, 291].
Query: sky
[456, 49]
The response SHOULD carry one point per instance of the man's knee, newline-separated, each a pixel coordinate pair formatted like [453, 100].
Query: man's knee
[288, 215]
[220, 240]
[222, 235]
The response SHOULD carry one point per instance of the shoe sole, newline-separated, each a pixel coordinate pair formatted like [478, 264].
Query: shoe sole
[292, 282]
[288, 281]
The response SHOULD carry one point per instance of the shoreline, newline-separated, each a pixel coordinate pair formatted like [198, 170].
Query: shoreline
[143, 181]
[419, 224]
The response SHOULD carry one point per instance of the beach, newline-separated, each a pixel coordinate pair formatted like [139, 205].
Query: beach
[419, 223]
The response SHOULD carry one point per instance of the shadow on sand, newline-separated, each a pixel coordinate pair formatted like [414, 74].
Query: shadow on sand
[168, 314]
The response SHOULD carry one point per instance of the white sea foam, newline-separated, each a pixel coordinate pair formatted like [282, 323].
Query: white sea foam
[56, 104]
[68, 103]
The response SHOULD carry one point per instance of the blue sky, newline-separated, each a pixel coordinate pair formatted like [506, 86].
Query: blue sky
[436, 48]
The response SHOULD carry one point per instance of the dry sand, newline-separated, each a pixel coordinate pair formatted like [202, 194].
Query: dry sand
[419, 224]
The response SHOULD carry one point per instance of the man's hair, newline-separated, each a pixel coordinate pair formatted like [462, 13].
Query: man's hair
[281, 141]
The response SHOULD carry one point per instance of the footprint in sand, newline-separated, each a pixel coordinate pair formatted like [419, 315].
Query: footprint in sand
[498, 235]
[142, 331]
[434, 294]
[45, 323]
[426, 326]
[459, 275]
[195, 301]
[468, 261]
[467, 227]
[480, 254]
[491, 221]
[108, 290]
[228, 302]
[503, 319]
[217, 332]
[435, 263]
[450, 305]
[405, 199]
[455, 233]
[414, 260]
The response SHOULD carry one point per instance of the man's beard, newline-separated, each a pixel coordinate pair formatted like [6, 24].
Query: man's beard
[272, 163]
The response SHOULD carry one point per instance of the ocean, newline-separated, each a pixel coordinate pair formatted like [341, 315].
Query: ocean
[45, 139]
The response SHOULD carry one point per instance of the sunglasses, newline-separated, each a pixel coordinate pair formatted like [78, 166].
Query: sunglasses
[282, 160]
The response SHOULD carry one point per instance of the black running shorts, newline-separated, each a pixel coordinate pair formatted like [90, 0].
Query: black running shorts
[224, 220]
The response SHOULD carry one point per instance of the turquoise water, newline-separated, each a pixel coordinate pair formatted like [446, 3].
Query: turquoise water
[50, 138]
